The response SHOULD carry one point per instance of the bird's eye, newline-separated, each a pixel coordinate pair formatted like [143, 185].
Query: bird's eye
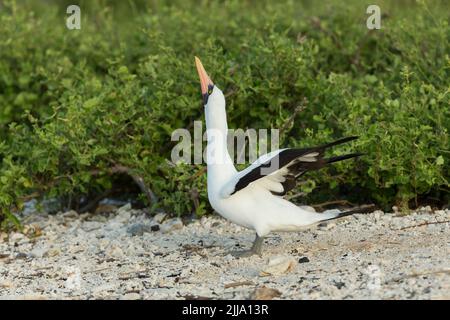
[210, 89]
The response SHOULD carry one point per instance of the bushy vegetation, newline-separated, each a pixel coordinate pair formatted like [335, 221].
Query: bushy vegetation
[81, 108]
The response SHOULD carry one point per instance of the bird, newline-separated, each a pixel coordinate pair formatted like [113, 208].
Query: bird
[254, 197]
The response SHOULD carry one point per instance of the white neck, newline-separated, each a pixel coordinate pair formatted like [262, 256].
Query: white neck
[219, 163]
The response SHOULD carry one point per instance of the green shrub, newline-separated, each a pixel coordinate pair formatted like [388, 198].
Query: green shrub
[76, 105]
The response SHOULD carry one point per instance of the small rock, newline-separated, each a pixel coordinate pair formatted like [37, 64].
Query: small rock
[73, 281]
[138, 229]
[265, 293]
[103, 288]
[99, 218]
[377, 214]
[31, 297]
[160, 217]
[89, 226]
[131, 296]
[32, 230]
[21, 255]
[71, 214]
[6, 284]
[52, 253]
[326, 225]
[38, 252]
[171, 224]
[103, 244]
[123, 213]
[126, 207]
[426, 210]
[303, 260]
[113, 225]
[30, 207]
[17, 237]
[155, 227]
[278, 265]
[105, 208]
[114, 251]
[339, 284]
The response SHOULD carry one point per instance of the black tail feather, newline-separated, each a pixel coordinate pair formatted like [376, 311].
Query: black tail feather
[362, 209]
[343, 157]
[340, 141]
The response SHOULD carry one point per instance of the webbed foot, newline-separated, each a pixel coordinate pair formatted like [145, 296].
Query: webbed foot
[255, 250]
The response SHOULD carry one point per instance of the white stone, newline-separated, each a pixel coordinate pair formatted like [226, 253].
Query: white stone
[159, 217]
[279, 265]
[171, 225]
[39, 252]
[114, 251]
[131, 296]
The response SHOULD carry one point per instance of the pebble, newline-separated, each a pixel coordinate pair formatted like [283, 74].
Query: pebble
[303, 260]
[171, 225]
[356, 259]
[103, 288]
[70, 214]
[159, 217]
[138, 229]
[278, 265]
[73, 281]
[377, 214]
[52, 253]
[21, 255]
[123, 213]
[17, 237]
[105, 208]
[265, 293]
[38, 252]
[326, 225]
[89, 226]
[131, 296]
[6, 284]
[114, 251]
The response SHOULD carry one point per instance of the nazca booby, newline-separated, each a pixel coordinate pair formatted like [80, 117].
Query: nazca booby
[253, 197]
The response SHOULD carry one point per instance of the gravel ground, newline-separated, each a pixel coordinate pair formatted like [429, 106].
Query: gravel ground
[126, 255]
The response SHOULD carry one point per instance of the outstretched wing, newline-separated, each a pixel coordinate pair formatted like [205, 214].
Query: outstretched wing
[278, 171]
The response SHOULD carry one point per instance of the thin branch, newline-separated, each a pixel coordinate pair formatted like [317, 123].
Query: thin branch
[151, 197]
[92, 204]
[419, 274]
[291, 119]
[295, 195]
[238, 284]
[424, 224]
[198, 173]
[327, 203]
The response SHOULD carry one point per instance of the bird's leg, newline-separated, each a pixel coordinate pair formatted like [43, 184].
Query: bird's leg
[255, 249]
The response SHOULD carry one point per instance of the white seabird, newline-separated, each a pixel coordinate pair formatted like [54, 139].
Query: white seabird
[253, 197]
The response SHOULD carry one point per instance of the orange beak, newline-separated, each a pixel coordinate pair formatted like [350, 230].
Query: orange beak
[205, 82]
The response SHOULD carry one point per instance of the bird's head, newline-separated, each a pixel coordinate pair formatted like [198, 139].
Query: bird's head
[212, 95]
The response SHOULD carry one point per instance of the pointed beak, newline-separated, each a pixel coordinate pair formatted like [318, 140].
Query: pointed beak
[205, 82]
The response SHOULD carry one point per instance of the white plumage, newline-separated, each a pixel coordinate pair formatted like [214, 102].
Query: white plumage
[253, 198]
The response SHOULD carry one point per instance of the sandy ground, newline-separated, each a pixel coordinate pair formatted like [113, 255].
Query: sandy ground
[126, 255]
